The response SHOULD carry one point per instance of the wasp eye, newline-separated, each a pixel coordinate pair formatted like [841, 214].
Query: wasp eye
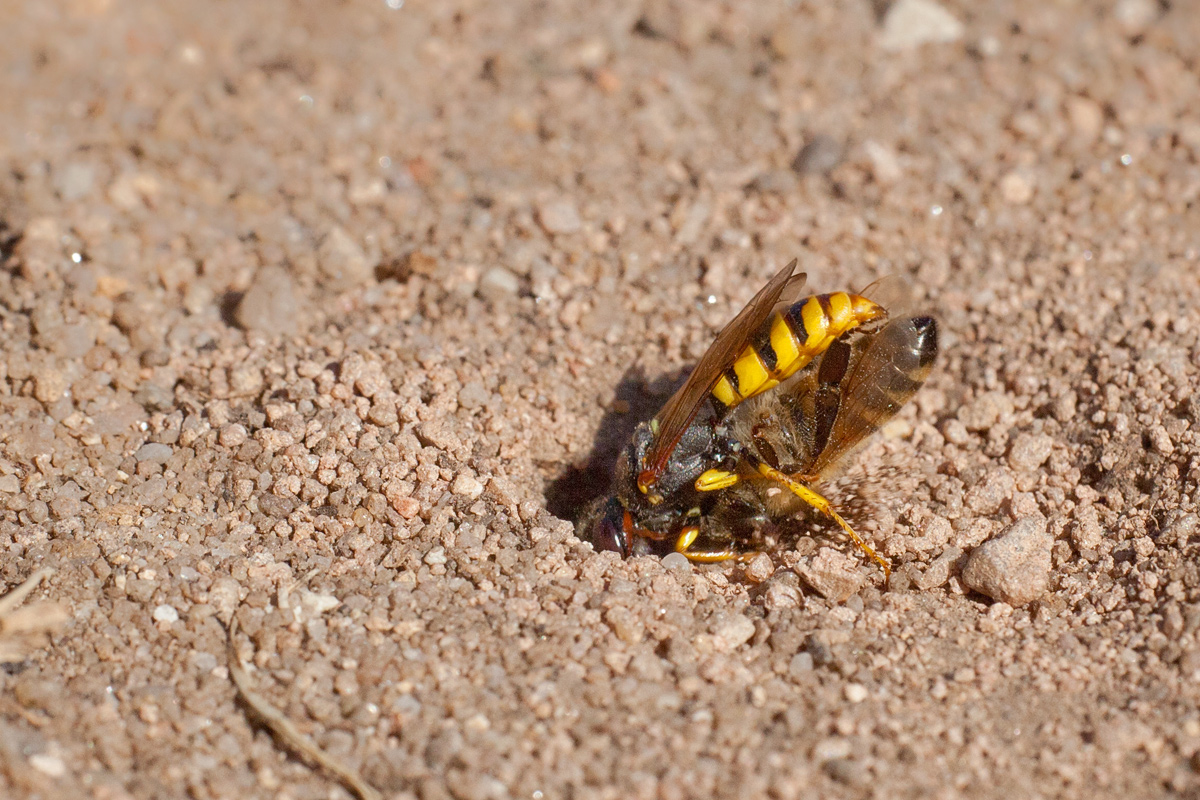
[609, 531]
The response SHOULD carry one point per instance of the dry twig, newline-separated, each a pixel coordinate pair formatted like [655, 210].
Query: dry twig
[18, 626]
[286, 732]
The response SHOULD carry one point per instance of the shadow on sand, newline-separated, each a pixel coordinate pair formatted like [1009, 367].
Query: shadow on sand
[635, 401]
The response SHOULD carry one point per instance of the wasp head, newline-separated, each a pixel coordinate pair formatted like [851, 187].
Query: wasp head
[634, 521]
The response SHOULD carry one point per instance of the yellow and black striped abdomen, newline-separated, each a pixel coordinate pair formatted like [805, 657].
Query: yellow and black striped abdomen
[790, 338]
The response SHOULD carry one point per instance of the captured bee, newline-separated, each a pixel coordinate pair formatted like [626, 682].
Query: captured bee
[786, 391]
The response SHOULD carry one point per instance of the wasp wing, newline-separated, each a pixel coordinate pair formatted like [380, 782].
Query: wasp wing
[681, 409]
[894, 292]
[894, 365]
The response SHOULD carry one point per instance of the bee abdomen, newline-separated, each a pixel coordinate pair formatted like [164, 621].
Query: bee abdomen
[788, 340]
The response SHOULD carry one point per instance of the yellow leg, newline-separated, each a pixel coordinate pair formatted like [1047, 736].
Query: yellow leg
[684, 545]
[821, 504]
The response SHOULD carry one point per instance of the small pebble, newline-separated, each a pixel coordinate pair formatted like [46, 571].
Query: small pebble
[993, 489]
[1016, 188]
[828, 575]
[909, 24]
[407, 507]
[1086, 532]
[819, 156]
[759, 568]
[1087, 117]
[75, 180]
[473, 395]
[48, 764]
[677, 561]
[466, 486]
[1029, 451]
[1013, 566]
[985, 411]
[885, 166]
[50, 384]
[831, 748]
[940, 570]
[559, 217]
[731, 632]
[316, 604]
[232, 435]
[800, 664]
[780, 595]
[855, 692]
[1160, 440]
[224, 596]
[269, 305]
[1135, 15]
[498, 285]
[342, 260]
[153, 453]
[956, 432]
[625, 624]
[165, 613]
[1180, 527]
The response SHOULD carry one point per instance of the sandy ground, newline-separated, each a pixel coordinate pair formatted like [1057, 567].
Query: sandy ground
[328, 317]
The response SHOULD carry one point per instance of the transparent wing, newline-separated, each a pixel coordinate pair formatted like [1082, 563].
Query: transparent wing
[680, 410]
[894, 365]
[894, 292]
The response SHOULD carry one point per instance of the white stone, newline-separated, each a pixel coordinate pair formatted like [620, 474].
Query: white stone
[48, 765]
[855, 692]
[912, 23]
[466, 486]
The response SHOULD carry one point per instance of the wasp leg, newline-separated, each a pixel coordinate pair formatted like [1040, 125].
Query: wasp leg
[708, 555]
[821, 504]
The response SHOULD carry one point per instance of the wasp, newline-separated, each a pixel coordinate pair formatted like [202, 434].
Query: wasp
[788, 388]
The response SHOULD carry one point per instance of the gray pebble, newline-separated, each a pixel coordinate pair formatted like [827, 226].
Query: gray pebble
[232, 434]
[829, 580]
[731, 632]
[940, 570]
[625, 624]
[986, 496]
[473, 395]
[1029, 451]
[801, 664]
[985, 411]
[153, 452]
[342, 260]
[676, 561]
[1086, 532]
[498, 285]
[466, 486]
[154, 397]
[909, 24]
[269, 305]
[759, 568]
[559, 217]
[819, 156]
[780, 594]
[50, 384]
[1014, 566]
[75, 180]
[776, 181]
